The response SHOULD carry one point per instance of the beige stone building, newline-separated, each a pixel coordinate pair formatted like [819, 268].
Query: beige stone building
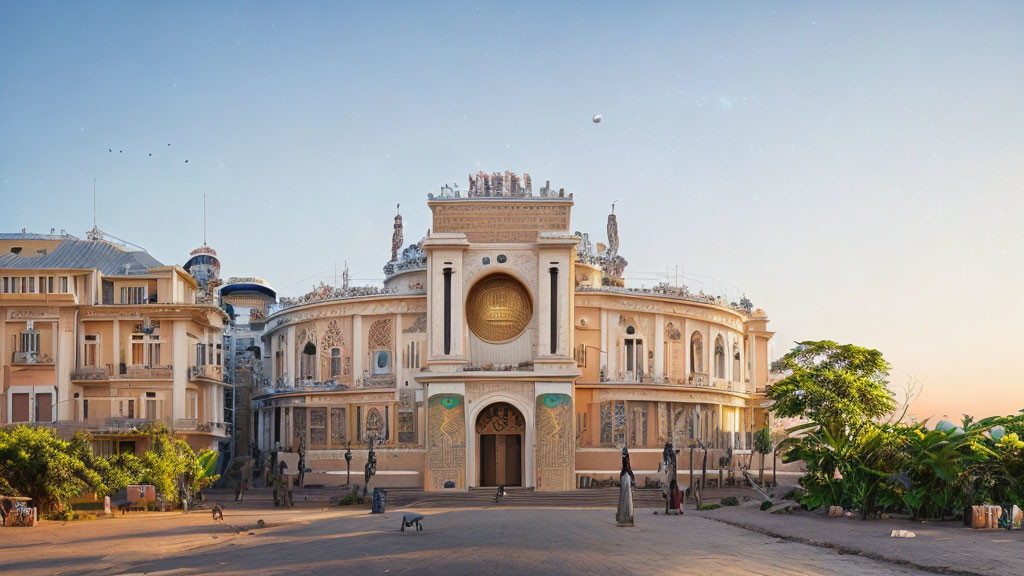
[100, 337]
[504, 349]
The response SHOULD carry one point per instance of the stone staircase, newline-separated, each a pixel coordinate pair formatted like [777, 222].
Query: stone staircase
[475, 497]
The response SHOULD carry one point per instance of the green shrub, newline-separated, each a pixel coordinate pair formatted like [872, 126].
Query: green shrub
[766, 505]
[710, 506]
[730, 501]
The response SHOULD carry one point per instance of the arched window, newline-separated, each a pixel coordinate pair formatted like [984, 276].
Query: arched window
[696, 353]
[719, 357]
[307, 361]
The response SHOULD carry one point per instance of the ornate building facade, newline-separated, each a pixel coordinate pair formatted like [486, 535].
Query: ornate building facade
[100, 337]
[504, 349]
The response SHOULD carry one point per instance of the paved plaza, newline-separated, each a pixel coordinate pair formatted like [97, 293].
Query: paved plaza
[499, 541]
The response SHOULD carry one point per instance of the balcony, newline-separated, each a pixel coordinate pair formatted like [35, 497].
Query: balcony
[206, 372]
[694, 380]
[285, 385]
[67, 428]
[104, 373]
[91, 374]
[31, 359]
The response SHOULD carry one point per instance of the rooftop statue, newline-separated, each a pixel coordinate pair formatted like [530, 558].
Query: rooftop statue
[613, 232]
[396, 237]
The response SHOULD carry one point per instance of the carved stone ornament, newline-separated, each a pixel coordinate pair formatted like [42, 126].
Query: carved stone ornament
[419, 326]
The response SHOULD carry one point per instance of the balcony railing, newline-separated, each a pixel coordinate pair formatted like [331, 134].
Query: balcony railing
[31, 358]
[283, 385]
[208, 371]
[101, 373]
[694, 380]
[136, 425]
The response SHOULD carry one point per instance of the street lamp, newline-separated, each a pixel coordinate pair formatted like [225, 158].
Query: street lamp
[348, 465]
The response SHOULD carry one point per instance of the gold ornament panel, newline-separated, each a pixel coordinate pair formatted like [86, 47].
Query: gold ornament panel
[498, 308]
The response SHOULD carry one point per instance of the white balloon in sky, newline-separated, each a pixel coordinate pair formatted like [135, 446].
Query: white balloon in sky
[597, 118]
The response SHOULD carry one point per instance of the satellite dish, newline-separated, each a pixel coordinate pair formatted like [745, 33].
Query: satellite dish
[597, 118]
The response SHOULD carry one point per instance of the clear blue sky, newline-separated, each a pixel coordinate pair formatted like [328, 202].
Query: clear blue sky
[855, 168]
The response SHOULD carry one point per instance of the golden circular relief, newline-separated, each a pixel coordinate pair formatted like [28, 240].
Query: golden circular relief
[498, 308]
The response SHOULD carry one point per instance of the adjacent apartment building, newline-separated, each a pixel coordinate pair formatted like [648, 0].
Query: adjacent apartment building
[101, 337]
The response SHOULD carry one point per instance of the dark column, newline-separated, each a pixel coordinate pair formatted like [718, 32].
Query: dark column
[447, 311]
[554, 309]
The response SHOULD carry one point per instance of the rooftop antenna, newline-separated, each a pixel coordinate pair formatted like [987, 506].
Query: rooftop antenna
[93, 202]
[204, 218]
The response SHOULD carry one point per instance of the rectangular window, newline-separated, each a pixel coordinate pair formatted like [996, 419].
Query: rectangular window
[49, 284]
[138, 350]
[133, 295]
[131, 408]
[6, 284]
[150, 408]
[337, 427]
[92, 350]
[31, 285]
[29, 341]
[407, 417]
[85, 410]
[299, 427]
[318, 427]
[335, 362]
[193, 407]
[613, 423]
[306, 365]
[154, 351]
[63, 284]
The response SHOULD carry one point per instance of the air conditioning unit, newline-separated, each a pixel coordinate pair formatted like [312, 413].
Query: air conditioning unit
[26, 357]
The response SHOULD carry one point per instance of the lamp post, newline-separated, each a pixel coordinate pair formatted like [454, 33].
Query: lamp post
[348, 465]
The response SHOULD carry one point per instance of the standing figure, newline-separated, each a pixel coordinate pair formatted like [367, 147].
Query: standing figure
[371, 466]
[302, 461]
[624, 514]
[673, 496]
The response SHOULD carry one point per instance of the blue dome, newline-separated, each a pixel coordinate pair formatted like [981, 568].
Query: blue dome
[945, 426]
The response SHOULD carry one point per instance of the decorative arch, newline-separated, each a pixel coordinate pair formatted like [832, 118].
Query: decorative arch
[473, 445]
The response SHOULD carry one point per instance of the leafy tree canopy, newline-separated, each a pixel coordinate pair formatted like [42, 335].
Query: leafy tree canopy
[833, 384]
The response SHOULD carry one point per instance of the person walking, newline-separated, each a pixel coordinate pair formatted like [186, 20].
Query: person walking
[624, 514]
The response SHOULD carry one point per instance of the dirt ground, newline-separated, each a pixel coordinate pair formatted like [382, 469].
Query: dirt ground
[495, 540]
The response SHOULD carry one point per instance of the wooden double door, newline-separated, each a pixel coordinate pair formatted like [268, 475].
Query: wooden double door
[501, 459]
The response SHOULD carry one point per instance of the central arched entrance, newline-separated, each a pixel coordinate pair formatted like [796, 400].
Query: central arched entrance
[500, 429]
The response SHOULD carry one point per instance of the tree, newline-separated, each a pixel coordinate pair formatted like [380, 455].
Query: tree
[37, 464]
[835, 385]
[763, 446]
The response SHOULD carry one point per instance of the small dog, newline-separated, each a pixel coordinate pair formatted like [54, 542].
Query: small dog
[218, 512]
[409, 520]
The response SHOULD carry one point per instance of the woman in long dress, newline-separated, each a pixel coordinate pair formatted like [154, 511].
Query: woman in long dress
[624, 514]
